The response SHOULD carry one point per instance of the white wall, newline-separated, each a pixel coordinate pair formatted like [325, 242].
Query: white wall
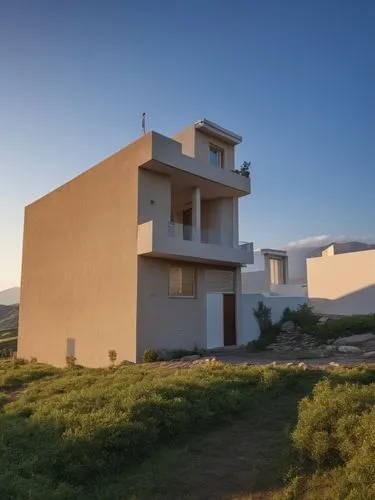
[249, 326]
[254, 282]
[289, 290]
[259, 264]
[215, 327]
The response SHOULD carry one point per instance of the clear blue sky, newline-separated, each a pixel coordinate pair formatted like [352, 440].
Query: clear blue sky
[295, 78]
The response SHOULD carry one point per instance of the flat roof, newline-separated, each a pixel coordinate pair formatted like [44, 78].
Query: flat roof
[211, 128]
[272, 251]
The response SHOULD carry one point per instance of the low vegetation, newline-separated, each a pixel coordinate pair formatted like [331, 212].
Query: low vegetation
[73, 426]
[85, 433]
[335, 436]
[348, 325]
[153, 355]
[304, 318]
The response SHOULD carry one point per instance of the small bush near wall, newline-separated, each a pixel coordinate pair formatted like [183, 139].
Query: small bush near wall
[268, 331]
[151, 356]
[303, 317]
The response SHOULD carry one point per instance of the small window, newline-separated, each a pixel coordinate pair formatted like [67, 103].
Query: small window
[182, 281]
[277, 271]
[216, 157]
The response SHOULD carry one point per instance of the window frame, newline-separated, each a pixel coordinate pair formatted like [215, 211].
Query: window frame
[220, 156]
[194, 282]
[277, 268]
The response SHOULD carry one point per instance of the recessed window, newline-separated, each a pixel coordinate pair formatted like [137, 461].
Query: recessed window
[277, 275]
[216, 157]
[182, 281]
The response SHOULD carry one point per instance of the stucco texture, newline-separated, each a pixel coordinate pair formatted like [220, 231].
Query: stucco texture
[343, 283]
[79, 269]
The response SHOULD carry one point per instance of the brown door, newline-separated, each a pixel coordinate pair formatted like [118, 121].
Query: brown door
[187, 221]
[229, 320]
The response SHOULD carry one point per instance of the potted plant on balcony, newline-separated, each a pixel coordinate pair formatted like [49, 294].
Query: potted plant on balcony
[244, 169]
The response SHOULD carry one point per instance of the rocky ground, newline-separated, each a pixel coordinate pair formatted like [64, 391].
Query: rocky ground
[294, 347]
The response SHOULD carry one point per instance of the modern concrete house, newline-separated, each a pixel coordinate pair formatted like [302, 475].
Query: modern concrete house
[270, 275]
[269, 270]
[267, 281]
[124, 256]
[342, 283]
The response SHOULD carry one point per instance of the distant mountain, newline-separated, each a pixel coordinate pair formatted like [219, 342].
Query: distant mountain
[10, 296]
[8, 317]
[298, 255]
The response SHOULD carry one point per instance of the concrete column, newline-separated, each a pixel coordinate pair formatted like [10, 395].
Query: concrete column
[235, 222]
[196, 214]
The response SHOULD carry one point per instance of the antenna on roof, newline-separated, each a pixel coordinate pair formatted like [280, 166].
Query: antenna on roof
[144, 122]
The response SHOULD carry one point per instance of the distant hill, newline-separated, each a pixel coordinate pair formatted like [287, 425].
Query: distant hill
[10, 296]
[298, 255]
[8, 317]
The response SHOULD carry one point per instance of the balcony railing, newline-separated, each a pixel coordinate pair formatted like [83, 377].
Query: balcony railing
[152, 241]
[245, 245]
[180, 231]
[211, 236]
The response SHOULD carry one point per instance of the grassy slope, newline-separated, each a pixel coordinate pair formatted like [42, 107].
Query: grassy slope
[247, 458]
[9, 317]
[148, 432]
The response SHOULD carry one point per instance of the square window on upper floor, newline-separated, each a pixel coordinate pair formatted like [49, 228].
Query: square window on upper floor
[216, 157]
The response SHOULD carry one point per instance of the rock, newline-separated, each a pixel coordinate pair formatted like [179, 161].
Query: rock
[191, 357]
[290, 364]
[330, 348]
[354, 339]
[333, 363]
[369, 345]
[288, 327]
[349, 349]
[323, 320]
[302, 365]
[370, 354]
[324, 354]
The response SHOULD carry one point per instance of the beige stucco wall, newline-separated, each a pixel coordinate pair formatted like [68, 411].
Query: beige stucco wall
[79, 269]
[171, 323]
[187, 138]
[342, 284]
[154, 199]
[202, 149]
[197, 144]
[164, 322]
[218, 221]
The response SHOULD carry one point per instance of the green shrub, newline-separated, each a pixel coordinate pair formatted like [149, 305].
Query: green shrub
[303, 316]
[350, 325]
[70, 361]
[112, 354]
[263, 316]
[151, 356]
[13, 378]
[336, 428]
[180, 353]
[268, 331]
[4, 399]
